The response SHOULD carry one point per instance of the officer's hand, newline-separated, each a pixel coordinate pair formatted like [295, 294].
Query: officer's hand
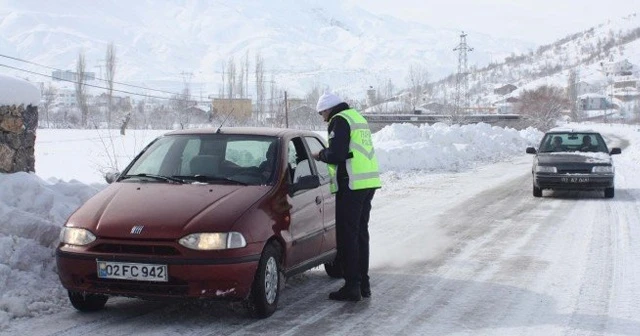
[316, 156]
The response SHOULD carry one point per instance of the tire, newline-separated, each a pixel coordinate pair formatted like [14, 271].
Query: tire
[334, 269]
[265, 290]
[537, 192]
[609, 193]
[86, 302]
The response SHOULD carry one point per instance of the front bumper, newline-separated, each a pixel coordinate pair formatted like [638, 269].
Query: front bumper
[229, 278]
[573, 181]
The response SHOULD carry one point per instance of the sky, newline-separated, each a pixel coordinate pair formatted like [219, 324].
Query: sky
[538, 21]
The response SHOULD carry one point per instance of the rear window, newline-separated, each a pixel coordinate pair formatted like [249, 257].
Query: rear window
[572, 142]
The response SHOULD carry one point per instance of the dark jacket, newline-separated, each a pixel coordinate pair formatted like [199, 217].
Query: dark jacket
[338, 151]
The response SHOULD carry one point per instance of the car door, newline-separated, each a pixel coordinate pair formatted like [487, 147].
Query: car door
[315, 145]
[306, 226]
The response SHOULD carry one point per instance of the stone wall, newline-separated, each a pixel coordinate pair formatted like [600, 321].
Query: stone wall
[17, 138]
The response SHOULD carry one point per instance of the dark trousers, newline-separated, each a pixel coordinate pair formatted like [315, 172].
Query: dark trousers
[352, 233]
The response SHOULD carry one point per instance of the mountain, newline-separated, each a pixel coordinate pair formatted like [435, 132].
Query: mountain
[586, 53]
[304, 43]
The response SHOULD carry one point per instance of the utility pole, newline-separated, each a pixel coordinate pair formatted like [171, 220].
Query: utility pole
[462, 82]
[286, 110]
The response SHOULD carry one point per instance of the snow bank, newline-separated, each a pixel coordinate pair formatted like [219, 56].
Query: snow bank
[17, 91]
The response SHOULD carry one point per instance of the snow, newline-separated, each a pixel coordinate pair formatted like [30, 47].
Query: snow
[17, 91]
[447, 159]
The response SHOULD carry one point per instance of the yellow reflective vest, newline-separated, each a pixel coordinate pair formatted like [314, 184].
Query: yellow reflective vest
[362, 166]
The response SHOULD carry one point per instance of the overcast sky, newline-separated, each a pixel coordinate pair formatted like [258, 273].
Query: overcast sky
[538, 21]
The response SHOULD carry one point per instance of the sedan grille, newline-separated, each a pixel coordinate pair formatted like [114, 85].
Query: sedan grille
[574, 171]
[159, 250]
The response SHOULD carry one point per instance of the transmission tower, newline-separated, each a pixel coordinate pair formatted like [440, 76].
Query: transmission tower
[462, 82]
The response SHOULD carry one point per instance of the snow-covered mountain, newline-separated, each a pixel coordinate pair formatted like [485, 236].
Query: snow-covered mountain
[586, 53]
[304, 43]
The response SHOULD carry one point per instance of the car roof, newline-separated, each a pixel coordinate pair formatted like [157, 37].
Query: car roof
[267, 131]
[570, 130]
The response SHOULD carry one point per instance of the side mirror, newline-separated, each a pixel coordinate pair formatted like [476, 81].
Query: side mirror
[110, 177]
[531, 150]
[305, 182]
[615, 150]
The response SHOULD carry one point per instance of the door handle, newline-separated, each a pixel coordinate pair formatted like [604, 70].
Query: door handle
[318, 200]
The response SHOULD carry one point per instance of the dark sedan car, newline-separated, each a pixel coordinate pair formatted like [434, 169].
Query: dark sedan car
[209, 214]
[573, 160]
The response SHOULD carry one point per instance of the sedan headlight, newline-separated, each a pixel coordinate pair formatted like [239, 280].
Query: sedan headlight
[213, 241]
[76, 236]
[602, 169]
[546, 169]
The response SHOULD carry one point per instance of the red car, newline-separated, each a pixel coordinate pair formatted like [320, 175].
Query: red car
[215, 214]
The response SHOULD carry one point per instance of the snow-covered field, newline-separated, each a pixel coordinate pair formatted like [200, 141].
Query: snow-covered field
[428, 173]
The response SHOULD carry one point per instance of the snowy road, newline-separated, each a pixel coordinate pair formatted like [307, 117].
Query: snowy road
[471, 253]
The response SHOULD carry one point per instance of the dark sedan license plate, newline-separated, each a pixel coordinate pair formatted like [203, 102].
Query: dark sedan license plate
[132, 271]
[575, 180]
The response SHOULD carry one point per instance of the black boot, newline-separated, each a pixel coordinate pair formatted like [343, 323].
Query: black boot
[365, 290]
[346, 293]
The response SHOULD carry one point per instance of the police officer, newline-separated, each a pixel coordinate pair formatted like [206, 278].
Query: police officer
[353, 168]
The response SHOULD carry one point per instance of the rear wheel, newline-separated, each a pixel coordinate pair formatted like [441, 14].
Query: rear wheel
[86, 302]
[265, 291]
[609, 193]
[334, 269]
[537, 192]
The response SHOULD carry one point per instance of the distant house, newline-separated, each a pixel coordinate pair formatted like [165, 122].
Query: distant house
[626, 94]
[240, 108]
[432, 108]
[620, 82]
[617, 68]
[594, 101]
[583, 87]
[504, 89]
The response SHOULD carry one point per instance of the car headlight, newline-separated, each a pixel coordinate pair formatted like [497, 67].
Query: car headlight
[76, 236]
[602, 169]
[213, 241]
[546, 169]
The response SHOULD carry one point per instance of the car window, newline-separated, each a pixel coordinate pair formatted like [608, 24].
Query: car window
[315, 146]
[151, 161]
[572, 142]
[298, 160]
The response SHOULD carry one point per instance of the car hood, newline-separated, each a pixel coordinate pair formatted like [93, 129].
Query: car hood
[167, 211]
[574, 158]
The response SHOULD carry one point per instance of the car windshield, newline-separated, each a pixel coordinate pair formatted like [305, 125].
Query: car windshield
[210, 158]
[572, 142]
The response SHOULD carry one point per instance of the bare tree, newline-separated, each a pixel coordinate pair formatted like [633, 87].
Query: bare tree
[259, 86]
[223, 73]
[49, 96]
[572, 94]
[418, 79]
[231, 78]
[246, 72]
[240, 82]
[110, 69]
[81, 94]
[541, 108]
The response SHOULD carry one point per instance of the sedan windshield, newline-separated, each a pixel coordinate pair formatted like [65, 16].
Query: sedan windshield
[210, 158]
[572, 142]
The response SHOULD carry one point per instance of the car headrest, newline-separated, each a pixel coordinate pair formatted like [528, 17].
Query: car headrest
[204, 165]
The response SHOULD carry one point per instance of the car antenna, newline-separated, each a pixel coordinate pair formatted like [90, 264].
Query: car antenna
[225, 119]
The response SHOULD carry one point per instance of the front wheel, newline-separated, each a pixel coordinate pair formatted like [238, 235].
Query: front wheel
[86, 302]
[537, 192]
[609, 193]
[265, 290]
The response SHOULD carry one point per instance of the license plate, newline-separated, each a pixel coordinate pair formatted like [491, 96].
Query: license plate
[575, 179]
[132, 271]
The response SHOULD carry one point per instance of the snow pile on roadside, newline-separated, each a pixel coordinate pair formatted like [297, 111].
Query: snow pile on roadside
[439, 147]
[31, 214]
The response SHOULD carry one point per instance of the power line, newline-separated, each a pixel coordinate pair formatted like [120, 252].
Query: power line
[95, 86]
[100, 79]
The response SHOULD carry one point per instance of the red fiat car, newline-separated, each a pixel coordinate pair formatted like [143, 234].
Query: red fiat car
[223, 213]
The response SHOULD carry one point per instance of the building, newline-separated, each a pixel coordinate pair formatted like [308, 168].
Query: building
[70, 76]
[504, 89]
[617, 68]
[594, 101]
[239, 108]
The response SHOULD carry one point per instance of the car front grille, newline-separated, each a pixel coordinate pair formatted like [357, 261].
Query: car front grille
[160, 250]
[574, 171]
[134, 288]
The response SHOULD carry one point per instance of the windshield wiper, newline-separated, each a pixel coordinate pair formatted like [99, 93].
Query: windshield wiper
[210, 178]
[156, 177]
